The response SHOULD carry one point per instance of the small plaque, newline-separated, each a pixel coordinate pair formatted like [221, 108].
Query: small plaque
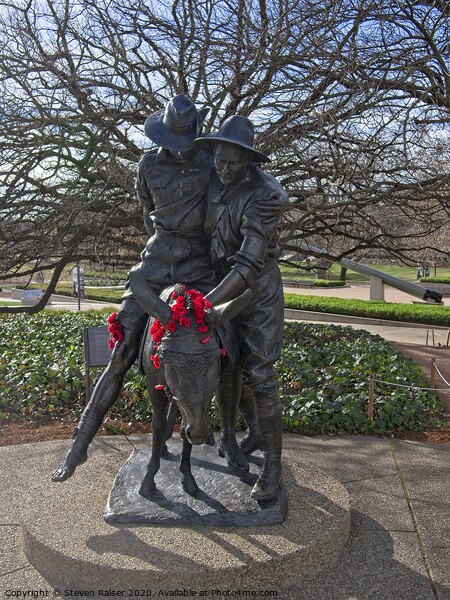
[96, 350]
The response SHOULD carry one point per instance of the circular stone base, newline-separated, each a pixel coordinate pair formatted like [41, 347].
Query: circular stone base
[67, 540]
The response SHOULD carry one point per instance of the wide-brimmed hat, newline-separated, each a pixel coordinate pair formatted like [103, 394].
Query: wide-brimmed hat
[176, 126]
[235, 130]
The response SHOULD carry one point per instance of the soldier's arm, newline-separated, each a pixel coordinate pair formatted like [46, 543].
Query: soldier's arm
[144, 194]
[258, 227]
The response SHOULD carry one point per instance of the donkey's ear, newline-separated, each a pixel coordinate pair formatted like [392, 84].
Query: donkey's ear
[228, 310]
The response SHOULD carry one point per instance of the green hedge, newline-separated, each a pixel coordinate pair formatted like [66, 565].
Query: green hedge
[426, 314]
[410, 313]
[323, 377]
[328, 283]
[435, 279]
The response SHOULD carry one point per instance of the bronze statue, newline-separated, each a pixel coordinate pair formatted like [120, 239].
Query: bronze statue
[244, 205]
[171, 185]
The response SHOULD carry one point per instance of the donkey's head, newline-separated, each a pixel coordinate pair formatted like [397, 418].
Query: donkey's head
[187, 349]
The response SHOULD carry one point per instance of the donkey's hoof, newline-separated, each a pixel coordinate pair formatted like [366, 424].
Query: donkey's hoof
[189, 485]
[235, 457]
[147, 489]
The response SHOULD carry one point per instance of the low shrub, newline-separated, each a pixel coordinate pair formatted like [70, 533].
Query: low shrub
[435, 279]
[323, 377]
[328, 283]
[426, 314]
[99, 294]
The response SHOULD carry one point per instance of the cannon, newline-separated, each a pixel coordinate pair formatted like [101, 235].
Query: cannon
[408, 287]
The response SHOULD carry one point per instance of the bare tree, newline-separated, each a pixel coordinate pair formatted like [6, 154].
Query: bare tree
[350, 98]
[373, 170]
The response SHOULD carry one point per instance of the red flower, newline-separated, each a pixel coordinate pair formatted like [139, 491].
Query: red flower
[156, 361]
[158, 336]
[195, 295]
[156, 325]
[157, 331]
[115, 331]
[159, 387]
[171, 326]
[223, 352]
[203, 328]
[206, 339]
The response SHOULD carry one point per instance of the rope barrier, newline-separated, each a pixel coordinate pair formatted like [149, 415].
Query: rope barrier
[411, 387]
[372, 382]
[441, 376]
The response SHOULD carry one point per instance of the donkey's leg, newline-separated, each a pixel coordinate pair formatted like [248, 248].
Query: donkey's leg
[187, 481]
[159, 402]
[171, 418]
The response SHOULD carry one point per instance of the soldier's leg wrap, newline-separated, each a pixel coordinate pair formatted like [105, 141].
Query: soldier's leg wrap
[105, 394]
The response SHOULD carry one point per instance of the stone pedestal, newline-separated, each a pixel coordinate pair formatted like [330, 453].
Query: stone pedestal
[223, 498]
[376, 288]
[66, 539]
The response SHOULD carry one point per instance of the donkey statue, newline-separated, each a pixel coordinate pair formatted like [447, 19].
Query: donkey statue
[181, 361]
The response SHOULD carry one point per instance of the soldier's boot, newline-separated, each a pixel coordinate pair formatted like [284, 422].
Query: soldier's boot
[89, 424]
[268, 484]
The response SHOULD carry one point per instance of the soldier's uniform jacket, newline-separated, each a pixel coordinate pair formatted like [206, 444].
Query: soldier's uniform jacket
[173, 195]
[245, 238]
[173, 192]
[242, 236]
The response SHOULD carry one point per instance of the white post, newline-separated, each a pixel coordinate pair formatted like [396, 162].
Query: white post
[376, 288]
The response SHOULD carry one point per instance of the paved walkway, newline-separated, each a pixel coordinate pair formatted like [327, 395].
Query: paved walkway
[398, 547]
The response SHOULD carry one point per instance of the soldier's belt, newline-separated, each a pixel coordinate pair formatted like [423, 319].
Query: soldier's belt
[183, 242]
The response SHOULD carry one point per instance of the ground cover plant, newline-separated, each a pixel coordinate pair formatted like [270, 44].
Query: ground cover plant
[42, 368]
[324, 383]
[323, 377]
